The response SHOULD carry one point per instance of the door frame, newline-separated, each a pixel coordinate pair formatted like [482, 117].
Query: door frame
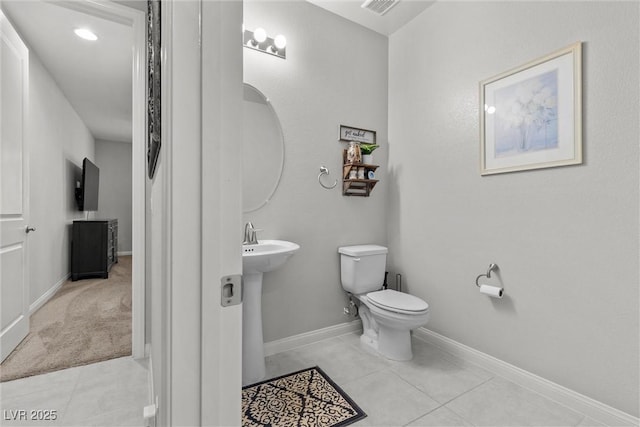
[136, 19]
[222, 121]
[201, 159]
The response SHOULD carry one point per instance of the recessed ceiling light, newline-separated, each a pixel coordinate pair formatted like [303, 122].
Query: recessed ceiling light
[85, 34]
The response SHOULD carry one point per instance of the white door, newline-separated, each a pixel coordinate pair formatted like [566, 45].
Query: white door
[201, 163]
[14, 189]
[221, 209]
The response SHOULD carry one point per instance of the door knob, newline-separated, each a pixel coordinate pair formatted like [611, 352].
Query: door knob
[29, 229]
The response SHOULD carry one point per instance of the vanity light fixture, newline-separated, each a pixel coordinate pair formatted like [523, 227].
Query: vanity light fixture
[260, 41]
[86, 34]
[279, 43]
[259, 36]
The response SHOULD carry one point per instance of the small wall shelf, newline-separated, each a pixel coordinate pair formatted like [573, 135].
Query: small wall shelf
[357, 187]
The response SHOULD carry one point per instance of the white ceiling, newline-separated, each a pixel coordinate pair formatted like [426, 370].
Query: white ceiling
[403, 12]
[95, 76]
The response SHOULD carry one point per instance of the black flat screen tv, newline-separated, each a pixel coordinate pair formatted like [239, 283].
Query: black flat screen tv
[87, 193]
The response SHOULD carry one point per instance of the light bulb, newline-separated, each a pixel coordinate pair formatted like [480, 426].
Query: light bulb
[259, 35]
[280, 42]
[85, 34]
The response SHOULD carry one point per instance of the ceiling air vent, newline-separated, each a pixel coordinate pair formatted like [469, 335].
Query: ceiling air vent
[379, 7]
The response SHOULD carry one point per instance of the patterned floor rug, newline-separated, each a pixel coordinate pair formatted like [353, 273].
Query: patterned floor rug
[307, 398]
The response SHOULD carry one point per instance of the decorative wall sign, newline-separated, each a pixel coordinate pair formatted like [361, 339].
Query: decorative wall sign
[531, 117]
[348, 133]
[153, 97]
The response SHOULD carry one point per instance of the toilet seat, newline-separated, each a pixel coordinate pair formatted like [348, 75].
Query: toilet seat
[398, 302]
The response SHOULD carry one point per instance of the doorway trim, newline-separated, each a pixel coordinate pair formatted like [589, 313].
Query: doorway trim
[136, 19]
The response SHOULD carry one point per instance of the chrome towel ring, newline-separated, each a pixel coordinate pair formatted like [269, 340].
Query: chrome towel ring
[325, 171]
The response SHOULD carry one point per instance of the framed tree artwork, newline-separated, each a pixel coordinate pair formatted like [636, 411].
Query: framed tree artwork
[531, 116]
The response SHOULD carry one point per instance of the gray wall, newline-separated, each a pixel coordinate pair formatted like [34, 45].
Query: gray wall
[114, 160]
[566, 239]
[58, 141]
[335, 73]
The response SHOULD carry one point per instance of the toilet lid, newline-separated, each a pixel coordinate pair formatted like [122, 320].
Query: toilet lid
[397, 301]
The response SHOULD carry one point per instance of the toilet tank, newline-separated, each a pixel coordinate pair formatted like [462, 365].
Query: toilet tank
[362, 267]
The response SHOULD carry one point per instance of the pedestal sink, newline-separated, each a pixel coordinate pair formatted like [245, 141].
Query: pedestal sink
[258, 259]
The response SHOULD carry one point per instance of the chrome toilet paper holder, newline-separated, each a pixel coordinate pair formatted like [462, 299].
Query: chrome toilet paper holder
[491, 268]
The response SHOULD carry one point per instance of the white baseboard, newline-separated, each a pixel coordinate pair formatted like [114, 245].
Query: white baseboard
[153, 398]
[125, 253]
[47, 295]
[573, 400]
[152, 395]
[289, 343]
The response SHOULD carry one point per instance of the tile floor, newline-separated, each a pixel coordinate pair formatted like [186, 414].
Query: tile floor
[433, 389]
[110, 393]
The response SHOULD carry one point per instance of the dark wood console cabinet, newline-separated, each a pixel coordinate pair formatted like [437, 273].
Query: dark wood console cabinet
[94, 248]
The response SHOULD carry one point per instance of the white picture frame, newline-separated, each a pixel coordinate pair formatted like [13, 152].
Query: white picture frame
[531, 116]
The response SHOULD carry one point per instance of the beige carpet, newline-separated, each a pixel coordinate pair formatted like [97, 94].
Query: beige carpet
[86, 321]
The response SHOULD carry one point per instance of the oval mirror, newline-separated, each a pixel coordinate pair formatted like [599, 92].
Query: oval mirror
[263, 150]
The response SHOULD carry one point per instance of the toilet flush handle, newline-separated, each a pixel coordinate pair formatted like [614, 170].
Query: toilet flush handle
[356, 259]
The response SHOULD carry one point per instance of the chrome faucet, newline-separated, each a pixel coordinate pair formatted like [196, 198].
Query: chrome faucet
[250, 237]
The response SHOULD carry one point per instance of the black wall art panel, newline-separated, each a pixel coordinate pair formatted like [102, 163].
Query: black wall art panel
[153, 84]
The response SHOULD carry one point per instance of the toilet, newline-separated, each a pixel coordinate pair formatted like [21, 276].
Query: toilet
[388, 316]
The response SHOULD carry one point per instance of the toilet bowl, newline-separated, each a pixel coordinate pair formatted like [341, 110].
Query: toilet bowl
[388, 325]
[388, 316]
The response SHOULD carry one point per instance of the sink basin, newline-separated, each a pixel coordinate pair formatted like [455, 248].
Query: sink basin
[267, 255]
[258, 259]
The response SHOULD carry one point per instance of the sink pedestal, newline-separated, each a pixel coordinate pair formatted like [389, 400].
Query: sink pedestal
[258, 258]
[253, 365]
